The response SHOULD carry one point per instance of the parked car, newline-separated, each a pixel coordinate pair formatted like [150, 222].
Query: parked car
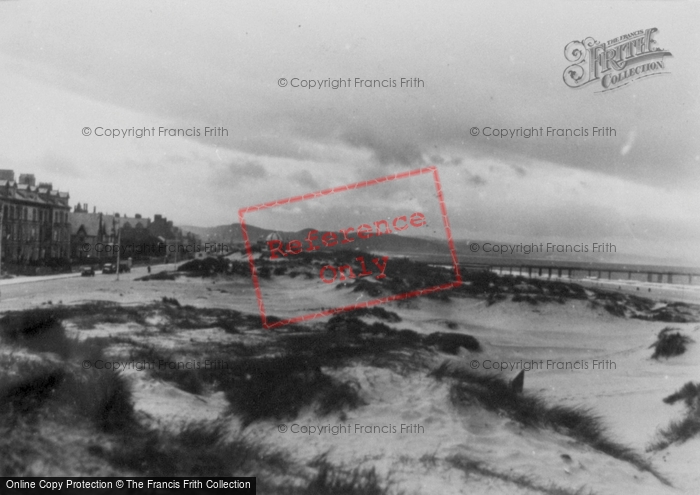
[87, 271]
[112, 268]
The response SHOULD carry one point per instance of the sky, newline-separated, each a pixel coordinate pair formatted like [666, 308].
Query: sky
[70, 65]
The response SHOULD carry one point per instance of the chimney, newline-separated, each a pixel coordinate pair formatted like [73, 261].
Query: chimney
[6, 174]
[94, 209]
[47, 185]
[28, 179]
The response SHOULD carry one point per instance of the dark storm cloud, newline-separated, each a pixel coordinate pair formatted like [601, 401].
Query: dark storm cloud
[387, 150]
[515, 86]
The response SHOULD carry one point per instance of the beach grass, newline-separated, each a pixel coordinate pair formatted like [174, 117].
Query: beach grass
[682, 430]
[580, 423]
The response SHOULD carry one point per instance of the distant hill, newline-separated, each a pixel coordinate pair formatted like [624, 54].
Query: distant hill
[226, 234]
[426, 248]
[232, 234]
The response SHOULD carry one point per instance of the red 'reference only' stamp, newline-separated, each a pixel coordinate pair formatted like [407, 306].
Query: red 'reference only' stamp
[279, 249]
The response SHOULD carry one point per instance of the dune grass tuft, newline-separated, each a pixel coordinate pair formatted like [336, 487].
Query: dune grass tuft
[33, 386]
[171, 300]
[471, 467]
[46, 386]
[39, 330]
[197, 449]
[684, 429]
[103, 397]
[688, 393]
[495, 394]
[335, 480]
[332, 481]
[670, 342]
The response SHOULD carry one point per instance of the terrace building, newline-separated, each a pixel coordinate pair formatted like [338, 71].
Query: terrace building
[92, 233]
[34, 220]
[94, 236]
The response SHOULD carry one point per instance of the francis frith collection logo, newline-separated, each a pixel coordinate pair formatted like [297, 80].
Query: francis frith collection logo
[616, 63]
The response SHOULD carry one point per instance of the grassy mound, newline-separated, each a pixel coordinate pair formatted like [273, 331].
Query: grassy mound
[22, 327]
[280, 387]
[103, 397]
[164, 275]
[451, 342]
[44, 386]
[669, 344]
[205, 265]
[31, 390]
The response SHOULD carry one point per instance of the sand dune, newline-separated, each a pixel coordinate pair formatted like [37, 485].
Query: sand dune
[447, 445]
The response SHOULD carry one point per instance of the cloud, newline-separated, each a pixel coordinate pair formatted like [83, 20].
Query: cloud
[476, 180]
[519, 170]
[237, 172]
[304, 178]
[385, 150]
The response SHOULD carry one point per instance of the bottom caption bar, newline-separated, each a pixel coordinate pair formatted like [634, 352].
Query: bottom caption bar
[85, 485]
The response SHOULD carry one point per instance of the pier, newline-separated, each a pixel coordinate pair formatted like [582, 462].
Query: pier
[638, 274]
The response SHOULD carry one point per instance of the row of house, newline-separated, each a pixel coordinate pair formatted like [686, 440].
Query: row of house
[93, 235]
[38, 227]
[34, 219]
